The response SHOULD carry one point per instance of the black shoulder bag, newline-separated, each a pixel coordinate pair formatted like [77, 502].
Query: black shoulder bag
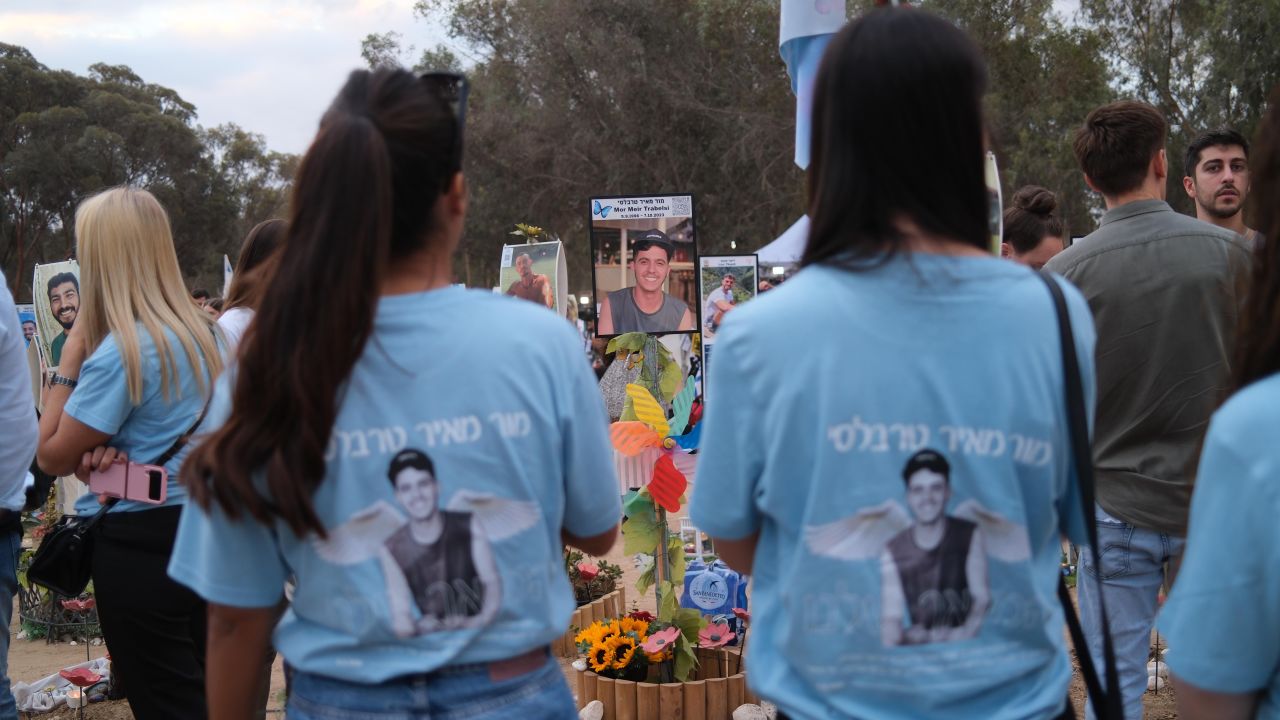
[1106, 704]
[64, 559]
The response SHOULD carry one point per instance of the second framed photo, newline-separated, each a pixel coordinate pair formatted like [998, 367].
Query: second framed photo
[724, 282]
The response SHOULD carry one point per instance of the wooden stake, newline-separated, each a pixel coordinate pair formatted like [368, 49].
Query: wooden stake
[624, 699]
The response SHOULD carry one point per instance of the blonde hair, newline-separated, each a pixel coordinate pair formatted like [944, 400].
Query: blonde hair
[129, 275]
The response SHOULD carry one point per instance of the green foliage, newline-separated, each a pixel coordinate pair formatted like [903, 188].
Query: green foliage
[641, 535]
[629, 342]
[690, 622]
[1044, 78]
[583, 87]
[65, 136]
[675, 558]
[1203, 63]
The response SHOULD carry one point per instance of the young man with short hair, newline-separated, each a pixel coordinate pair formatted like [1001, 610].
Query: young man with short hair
[645, 307]
[1164, 289]
[1217, 179]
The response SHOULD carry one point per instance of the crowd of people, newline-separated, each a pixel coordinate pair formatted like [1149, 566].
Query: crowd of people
[374, 472]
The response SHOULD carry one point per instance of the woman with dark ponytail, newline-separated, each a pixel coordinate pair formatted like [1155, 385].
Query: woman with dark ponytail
[401, 447]
[1033, 231]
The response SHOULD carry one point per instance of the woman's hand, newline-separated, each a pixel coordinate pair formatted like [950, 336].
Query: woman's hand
[99, 459]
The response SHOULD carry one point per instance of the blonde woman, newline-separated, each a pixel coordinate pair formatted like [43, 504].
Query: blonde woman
[136, 369]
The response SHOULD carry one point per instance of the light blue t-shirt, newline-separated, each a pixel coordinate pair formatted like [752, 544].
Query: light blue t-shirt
[145, 432]
[874, 600]
[496, 395]
[1222, 618]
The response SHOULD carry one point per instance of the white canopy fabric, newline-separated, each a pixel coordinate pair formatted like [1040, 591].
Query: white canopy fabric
[787, 248]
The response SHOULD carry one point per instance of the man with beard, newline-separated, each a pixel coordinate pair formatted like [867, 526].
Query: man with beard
[531, 286]
[64, 304]
[1217, 178]
[645, 307]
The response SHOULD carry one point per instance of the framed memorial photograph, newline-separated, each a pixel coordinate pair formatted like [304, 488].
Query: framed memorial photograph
[724, 282]
[56, 291]
[644, 258]
[27, 318]
[534, 272]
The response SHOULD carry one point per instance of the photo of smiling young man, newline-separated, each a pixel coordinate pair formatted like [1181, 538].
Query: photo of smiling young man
[1217, 179]
[645, 307]
[57, 291]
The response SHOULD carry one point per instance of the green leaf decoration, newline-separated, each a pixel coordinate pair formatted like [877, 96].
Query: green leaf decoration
[640, 534]
[667, 602]
[669, 381]
[690, 623]
[646, 579]
[631, 342]
[675, 557]
[628, 411]
[612, 347]
[636, 503]
[681, 405]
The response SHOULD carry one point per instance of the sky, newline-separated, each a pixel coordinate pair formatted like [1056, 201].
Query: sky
[270, 66]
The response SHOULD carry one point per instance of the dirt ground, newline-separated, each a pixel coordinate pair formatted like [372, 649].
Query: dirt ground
[30, 660]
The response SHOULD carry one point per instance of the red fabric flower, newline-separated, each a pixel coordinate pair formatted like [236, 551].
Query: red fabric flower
[660, 640]
[588, 571]
[644, 615]
[715, 635]
[81, 677]
[79, 605]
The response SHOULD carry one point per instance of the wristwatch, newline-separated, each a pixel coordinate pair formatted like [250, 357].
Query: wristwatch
[59, 380]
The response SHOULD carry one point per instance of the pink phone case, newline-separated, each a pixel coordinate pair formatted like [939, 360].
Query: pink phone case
[132, 481]
[112, 483]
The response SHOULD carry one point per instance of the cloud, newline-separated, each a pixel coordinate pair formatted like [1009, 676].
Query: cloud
[270, 67]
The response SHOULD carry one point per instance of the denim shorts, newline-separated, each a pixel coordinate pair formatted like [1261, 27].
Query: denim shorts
[467, 693]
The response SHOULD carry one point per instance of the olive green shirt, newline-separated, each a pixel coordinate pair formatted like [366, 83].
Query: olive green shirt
[1165, 290]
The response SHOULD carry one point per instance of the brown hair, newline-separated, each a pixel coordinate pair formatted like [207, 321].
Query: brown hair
[252, 271]
[1115, 146]
[1257, 352]
[1032, 218]
[364, 197]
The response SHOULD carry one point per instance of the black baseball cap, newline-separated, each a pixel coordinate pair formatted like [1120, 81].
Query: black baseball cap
[651, 238]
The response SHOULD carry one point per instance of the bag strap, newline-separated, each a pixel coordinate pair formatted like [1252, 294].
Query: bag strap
[1106, 702]
[178, 444]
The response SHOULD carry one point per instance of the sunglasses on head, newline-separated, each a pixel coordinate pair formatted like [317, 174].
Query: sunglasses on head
[453, 89]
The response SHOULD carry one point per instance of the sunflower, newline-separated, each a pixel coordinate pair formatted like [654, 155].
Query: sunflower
[600, 657]
[591, 635]
[639, 627]
[659, 656]
[623, 648]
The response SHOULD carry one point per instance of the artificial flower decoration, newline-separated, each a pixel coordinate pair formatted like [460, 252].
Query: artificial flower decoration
[715, 635]
[81, 677]
[644, 615]
[742, 615]
[652, 429]
[588, 571]
[661, 641]
[79, 605]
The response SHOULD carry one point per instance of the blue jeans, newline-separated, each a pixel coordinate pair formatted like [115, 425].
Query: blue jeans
[10, 550]
[451, 694]
[1132, 571]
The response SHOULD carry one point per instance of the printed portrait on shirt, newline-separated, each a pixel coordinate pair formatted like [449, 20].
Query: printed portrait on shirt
[644, 261]
[437, 560]
[933, 559]
[56, 291]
